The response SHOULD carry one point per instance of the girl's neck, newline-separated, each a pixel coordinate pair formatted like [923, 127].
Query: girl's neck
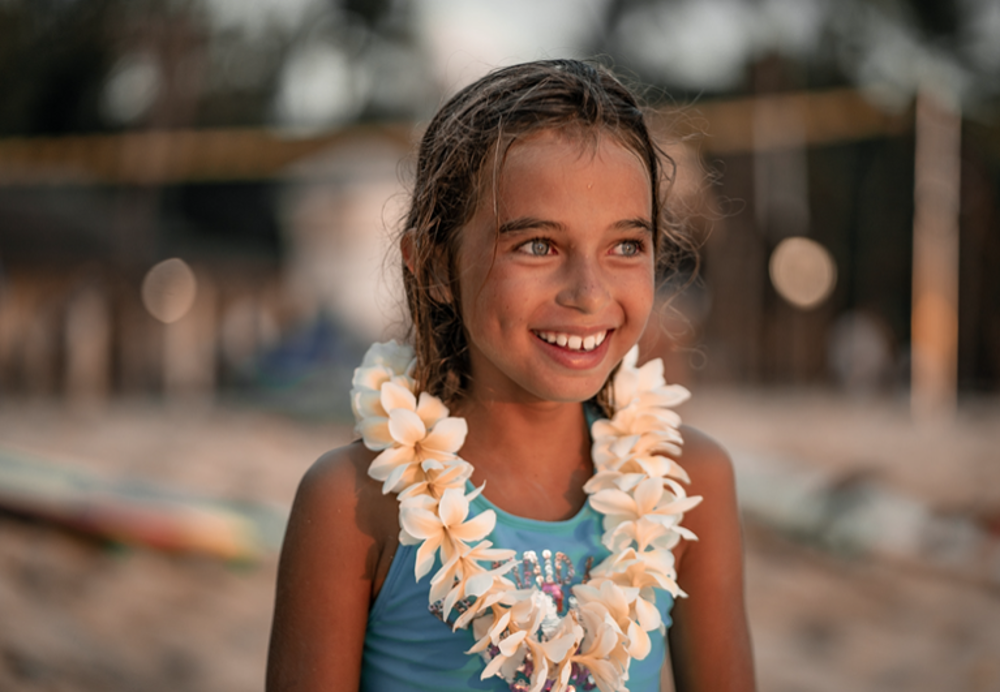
[534, 458]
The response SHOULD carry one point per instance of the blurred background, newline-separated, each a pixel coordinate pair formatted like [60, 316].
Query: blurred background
[198, 200]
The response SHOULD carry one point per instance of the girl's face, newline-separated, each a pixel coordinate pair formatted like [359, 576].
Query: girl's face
[557, 299]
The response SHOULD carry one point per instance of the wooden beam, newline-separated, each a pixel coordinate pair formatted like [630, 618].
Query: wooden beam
[189, 156]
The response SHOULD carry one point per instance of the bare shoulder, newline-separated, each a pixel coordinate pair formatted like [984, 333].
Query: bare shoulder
[336, 492]
[707, 463]
[341, 537]
[709, 639]
[716, 520]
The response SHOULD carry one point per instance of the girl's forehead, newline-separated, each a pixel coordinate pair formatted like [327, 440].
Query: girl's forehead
[570, 143]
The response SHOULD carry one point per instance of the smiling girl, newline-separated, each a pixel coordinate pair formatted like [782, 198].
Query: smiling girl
[512, 517]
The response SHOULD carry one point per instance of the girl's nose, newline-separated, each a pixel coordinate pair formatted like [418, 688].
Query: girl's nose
[585, 286]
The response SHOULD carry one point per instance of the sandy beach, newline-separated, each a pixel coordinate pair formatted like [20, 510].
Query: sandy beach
[82, 614]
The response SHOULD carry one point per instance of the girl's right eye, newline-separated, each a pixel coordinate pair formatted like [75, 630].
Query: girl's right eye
[536, 247]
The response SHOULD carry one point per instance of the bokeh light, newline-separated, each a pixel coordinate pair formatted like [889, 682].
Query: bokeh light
[169, 290]
[803, 272]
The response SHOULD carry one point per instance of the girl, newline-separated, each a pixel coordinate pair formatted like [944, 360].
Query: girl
[510, 519]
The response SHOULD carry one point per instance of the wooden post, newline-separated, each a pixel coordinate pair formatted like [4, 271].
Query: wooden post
[88, 348]
[934, 317]
[189, 351]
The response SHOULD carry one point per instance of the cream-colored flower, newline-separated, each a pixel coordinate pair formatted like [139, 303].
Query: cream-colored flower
[415, 431]
[656, 565]
[462, 575]
[382, 363]
[647, 453]
[446, 529]
[645, 386]
[489, 594]
[437, 477]
[603, 649]
[512, 650]
[649, 515]
[397, 357]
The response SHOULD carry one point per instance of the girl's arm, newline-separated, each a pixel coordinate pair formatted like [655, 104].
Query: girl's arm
[337, 550]
[709, 640]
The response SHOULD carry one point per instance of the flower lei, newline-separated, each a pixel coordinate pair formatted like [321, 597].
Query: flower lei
[518, 631]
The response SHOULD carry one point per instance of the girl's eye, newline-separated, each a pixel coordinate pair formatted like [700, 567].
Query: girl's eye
[629, 248]
[536, 247]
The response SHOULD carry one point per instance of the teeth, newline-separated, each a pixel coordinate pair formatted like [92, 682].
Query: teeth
[574, 342]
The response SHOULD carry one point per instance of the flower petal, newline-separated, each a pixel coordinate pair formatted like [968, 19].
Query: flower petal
[406, 427]
[453, 507]
[647, 614]
[448, 435]
[420, 523]
[476, 528]
[425, 557]
[639, 644]
[647, 494]
[431, 409]
[395, 395]
[613, 501]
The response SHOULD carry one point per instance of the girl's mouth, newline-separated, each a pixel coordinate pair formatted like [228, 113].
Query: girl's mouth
[573, 342]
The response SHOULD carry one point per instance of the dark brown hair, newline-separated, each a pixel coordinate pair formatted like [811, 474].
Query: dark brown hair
[477, 125]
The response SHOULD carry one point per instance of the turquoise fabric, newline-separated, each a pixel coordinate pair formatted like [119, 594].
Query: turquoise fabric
[409, 649]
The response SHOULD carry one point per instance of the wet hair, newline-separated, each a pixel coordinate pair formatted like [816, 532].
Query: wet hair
[465, 139]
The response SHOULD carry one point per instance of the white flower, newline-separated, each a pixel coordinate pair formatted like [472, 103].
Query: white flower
[648, 515]
[462, 575]
[437, 477]
[414, 431]
[393, 355]
[656, 567]
[602, 650]
[645, 386]
[382, 363]
[638, 454]
[445, 529]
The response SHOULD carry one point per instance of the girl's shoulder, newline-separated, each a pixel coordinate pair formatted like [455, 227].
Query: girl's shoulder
[716, 519]
[706, 462]
[337, 493]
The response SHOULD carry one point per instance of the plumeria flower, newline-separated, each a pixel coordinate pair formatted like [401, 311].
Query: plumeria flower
[637, 575]
[511, 653]
[463, 576]
[557, 652]
[616, 601]
[656, 565]
[636, 515]
[645, 386]
[382, 363]
[647, 453]
[488, 600]
[415, 431]
[446, 529]
[602, 650]
[437, 477]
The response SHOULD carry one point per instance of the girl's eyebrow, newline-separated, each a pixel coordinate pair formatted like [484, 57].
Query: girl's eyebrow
[526, 222]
